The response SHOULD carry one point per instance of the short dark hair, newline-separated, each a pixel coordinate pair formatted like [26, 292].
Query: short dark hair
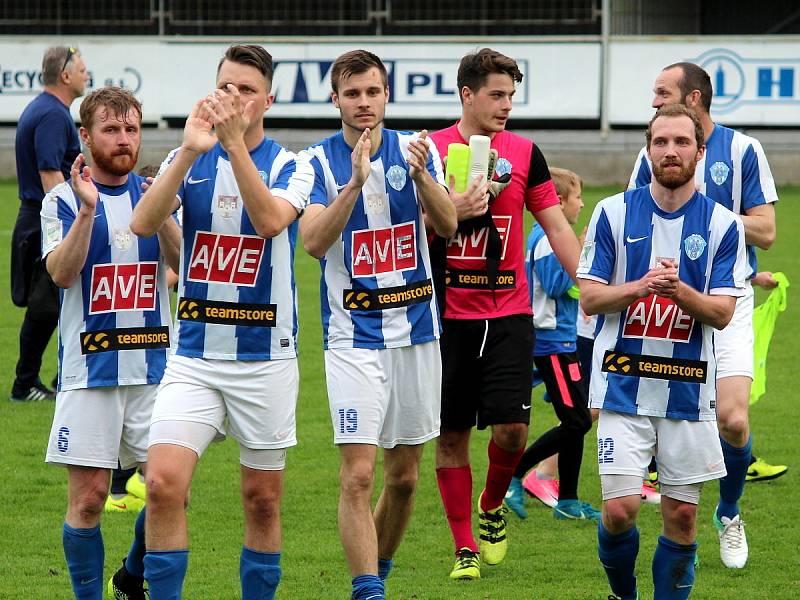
[251, 55]
[677, 110]
[476, 67]
[694, 78]
[115, 100]
[356, 62]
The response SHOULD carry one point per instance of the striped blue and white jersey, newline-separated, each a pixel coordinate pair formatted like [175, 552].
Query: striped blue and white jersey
[733, 171]
[652, 358]
[554, 311]
[114, 327]
[376, 287]
[236, 290]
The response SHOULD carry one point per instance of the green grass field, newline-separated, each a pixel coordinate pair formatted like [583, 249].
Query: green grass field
[546, 559]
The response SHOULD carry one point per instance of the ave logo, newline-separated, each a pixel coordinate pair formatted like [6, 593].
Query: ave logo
[218, 258]
[384, 250]
[472, 246]
[124, 286]
[659, 318]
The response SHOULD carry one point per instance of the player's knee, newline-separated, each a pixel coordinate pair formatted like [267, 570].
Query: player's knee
[510, 436]
[734, 427]
[452, 442]
[680, 522]
[89, 504]
[402, 485]
[262, 504]
[618, 516]
[357, 481]
[164, 489]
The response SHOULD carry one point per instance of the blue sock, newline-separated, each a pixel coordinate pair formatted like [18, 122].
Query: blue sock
[618, 556]
[731, 487]
[85, 554]
[673, 569]
[367, 587]
[259, 573]
[165, 572]
[384, 566]
[134, 563]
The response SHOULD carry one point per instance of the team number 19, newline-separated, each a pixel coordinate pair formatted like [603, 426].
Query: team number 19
[348, 420]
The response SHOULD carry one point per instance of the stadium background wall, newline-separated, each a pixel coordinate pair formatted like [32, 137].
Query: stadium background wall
[585, 111]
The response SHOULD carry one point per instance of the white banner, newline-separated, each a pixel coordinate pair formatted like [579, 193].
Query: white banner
[756, 82]
[561, 80]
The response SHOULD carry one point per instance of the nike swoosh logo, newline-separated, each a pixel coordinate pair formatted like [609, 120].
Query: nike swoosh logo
[526, 406]
[339, 188]
[193, 181]
[631, 240]
[88, 581]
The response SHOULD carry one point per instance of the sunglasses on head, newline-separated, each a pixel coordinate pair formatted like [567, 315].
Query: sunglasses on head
[70, 53]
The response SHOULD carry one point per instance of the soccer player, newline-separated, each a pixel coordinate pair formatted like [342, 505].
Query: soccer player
[487, 337]
[46, 146]
[735, 173]
[235, 367]
[114, 330]
[554, 298]
[380, 320]
[663, 265]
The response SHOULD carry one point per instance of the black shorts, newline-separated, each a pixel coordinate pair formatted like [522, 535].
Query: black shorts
[486, 371]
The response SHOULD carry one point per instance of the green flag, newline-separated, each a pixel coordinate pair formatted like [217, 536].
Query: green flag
[764, 318]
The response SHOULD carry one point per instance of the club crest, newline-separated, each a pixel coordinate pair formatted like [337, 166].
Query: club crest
[123, 238]
[227, 205]
[719, 172]
[396, 176]
[503, 167]
[264, 177]
[694, 245]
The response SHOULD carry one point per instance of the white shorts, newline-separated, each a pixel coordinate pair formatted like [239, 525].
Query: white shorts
[254, 401]
[96, 427]
[733, 346]
[686, 451]
[386, 396]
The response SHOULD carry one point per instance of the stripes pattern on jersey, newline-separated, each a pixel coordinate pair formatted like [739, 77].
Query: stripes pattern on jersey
[627, 236]
[121, 295]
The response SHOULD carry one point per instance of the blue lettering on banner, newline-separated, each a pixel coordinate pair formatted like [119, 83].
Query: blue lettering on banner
[740, 81]
[411, 81]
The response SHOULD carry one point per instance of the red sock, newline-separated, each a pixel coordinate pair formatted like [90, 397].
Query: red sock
[501, 469]
[455, 486]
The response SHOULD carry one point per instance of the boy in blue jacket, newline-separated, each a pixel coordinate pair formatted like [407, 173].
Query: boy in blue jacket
[554, 298]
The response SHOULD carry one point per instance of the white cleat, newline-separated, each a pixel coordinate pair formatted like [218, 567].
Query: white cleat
[732, 541]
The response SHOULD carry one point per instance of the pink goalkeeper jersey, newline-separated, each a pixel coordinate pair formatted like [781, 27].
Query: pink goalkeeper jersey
[468, 296]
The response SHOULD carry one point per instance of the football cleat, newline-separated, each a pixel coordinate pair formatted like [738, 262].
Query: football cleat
[468, 565]
[124, 586]
[128, 503]
[575, 509]
[135, 486]
[493, 543]
[760, 470]
[650, 493]
[515, 498]
[36, 393]
[732, 541]
[544, 490]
